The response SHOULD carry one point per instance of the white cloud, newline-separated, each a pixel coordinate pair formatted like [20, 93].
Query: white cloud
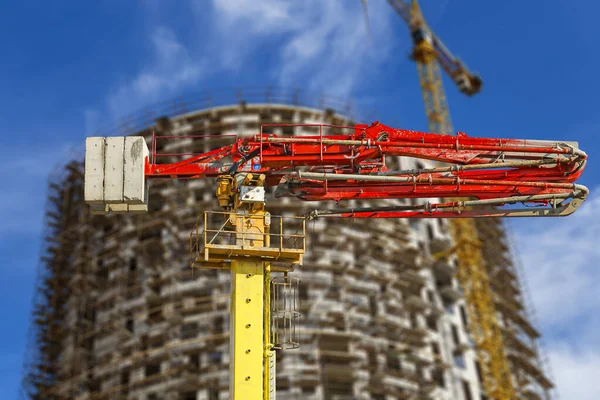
[576, 373]
[322, 45]
[561, 258]
[172, 67]
[261, 17]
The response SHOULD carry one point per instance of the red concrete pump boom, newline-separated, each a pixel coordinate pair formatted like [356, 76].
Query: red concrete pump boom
[484, 176]
[494, 173]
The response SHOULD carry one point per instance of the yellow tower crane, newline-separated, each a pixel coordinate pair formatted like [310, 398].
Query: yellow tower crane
[431, 56]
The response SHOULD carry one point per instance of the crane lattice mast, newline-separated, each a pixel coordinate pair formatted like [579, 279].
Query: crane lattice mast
[429, 53]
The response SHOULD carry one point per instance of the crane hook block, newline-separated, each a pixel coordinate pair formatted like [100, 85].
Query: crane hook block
[115, 178]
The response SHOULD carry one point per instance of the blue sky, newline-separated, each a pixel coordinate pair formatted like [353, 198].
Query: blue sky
[70, 67]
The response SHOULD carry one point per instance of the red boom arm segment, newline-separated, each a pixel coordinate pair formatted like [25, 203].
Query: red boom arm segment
[493, 173]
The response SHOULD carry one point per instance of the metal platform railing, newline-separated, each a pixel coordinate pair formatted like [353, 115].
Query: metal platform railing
[216, 240]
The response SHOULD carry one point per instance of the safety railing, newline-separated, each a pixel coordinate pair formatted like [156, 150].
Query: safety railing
[317, 128]
[226, 235]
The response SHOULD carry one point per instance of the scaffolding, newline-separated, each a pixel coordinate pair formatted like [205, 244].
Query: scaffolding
[521, 337]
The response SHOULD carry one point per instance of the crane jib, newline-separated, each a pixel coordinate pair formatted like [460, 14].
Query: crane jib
[351, 163]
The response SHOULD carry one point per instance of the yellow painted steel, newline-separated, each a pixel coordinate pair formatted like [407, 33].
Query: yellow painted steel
[434, 97]
[430, 77]
[247, 327]
[267, 332]
[250, 363]
[250, 294]
[251, 226]
[484, 326]
[473, 277]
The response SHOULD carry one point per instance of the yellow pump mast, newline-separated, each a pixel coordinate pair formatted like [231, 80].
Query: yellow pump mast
[431, 56]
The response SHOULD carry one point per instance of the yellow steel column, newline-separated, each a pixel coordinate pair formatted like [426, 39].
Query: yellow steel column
[249, 339]
[246, 323]
[247, 329]
[242, 197]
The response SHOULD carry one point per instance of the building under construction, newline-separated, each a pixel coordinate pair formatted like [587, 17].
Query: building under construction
[119, 314]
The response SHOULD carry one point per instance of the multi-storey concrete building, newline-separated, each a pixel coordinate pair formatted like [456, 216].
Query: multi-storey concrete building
[120, 315]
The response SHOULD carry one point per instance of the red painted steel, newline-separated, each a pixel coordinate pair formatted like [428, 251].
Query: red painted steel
[352, 166]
